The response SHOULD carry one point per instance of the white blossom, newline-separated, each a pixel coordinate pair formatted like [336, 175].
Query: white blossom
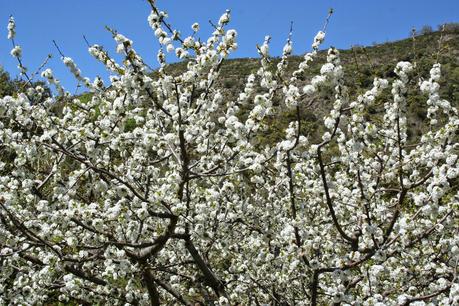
[11, 28]
[16, 51]
[166, 185]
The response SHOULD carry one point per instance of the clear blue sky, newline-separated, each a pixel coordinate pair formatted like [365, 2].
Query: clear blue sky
[354, 22]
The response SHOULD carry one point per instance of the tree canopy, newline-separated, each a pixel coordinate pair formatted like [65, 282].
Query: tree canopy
[159, 189]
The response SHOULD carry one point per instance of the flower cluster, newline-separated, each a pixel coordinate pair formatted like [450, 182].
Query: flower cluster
[11, 28]
[431, 87]
[16, 52]
[75, 71]
[48, 75]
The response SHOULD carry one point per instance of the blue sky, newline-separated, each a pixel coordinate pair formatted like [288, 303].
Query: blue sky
[354, 22]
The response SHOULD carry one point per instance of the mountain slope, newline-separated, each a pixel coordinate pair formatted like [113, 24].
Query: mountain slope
[361, 65]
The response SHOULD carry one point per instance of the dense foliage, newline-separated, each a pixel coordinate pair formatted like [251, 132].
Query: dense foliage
[10, 87]
[160, 189]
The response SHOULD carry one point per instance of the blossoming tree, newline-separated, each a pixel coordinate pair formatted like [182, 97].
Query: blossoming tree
[157, 190]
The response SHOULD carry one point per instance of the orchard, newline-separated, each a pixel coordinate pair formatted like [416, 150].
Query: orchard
[158, 190]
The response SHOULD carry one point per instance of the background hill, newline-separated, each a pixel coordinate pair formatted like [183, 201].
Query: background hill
[361, 65]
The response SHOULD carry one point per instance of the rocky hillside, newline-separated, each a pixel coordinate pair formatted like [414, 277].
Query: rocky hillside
[361, 65]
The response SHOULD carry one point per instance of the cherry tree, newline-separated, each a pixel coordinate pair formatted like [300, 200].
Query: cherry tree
[158, 190]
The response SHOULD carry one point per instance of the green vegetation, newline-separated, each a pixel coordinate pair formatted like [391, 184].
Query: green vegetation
[7, 87]
[10, 87]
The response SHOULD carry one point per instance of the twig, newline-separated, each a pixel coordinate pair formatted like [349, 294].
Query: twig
[58, 49]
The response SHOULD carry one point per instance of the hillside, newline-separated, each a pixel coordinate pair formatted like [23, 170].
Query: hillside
[361, 65]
